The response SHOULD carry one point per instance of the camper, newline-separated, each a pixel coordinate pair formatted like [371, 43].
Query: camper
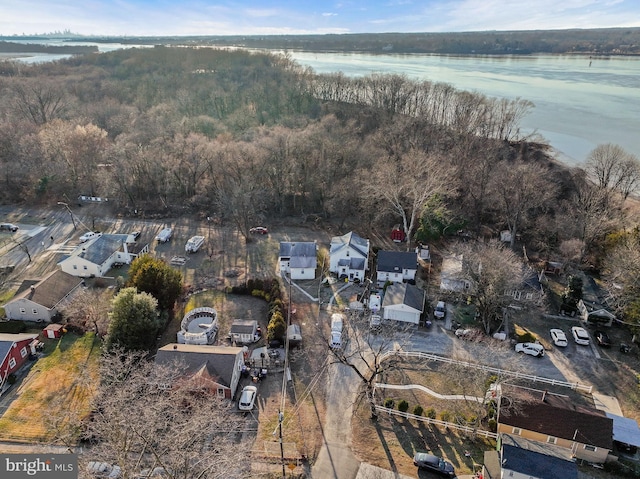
[194, 244]
[336, 330]
[294, 335]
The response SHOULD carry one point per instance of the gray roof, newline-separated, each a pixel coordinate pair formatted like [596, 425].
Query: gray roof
[404, 293]
[244, 326]
[396, 261]
[350, 240]
[99, 250]
[219, 361]
[536, 464]
[50, 290]
[625, 430]
[300, 254]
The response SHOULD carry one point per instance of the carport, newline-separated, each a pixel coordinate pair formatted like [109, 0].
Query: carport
[626, 433]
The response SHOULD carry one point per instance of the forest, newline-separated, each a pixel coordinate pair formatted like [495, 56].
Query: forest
[251, 137]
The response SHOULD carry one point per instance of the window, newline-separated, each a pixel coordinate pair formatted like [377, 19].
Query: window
[588, 447]
[302, 272]
[23, 311]
[517, 431]
[23, 352]
[12, 363]
[84, 267]
[220, 392]
[75, 266]
[34, 311]
[552, 440]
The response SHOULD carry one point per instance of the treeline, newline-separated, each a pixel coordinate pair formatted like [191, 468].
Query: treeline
[600, 41]
[250, 137]
[13, 47]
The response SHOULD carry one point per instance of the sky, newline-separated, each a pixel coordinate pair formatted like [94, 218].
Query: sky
[273, 17]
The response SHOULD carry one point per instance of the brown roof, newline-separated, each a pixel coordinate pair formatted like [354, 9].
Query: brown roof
[559, 417]
[50, 290]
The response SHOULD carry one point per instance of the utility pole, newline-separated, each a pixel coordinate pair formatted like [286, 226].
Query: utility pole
[70, 213]
[280, 419]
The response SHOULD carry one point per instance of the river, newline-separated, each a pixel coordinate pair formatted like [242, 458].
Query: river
[580, 102]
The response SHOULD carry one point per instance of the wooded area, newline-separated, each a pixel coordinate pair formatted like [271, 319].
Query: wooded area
[246, 137]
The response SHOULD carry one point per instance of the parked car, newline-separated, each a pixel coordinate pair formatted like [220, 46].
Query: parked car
[135, 234]
[89, 235]
[441, 310]
[558, 337]
[9, 227]
[532, 349]
[433, 463]
[103, 470]
[247, 398]
[164, 235]
[580, 335]
[260, 230]
[602, 339]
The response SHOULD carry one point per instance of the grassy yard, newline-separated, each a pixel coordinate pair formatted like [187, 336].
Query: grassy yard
[58, 387]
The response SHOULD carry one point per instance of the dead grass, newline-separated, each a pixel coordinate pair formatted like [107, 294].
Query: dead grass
[59, 385]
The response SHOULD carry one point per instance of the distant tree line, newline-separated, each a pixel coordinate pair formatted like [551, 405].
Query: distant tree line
[249, 137]
[13, 47]
[597, 41]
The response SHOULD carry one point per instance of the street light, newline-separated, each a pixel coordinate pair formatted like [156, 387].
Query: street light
[70, 213]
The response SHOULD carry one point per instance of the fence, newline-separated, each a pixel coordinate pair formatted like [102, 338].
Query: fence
[503, 372]
[436, 422]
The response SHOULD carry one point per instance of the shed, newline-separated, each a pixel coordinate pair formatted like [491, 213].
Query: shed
[244, 331]
[403, 302]
[53, 331]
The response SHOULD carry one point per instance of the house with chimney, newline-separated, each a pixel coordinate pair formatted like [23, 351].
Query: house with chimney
[396, 267]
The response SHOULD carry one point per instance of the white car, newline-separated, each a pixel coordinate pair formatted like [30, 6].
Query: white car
[580, 335]
[441, 310]
[247, 398]
[89, 235]
[558, 337]
[103, 470]
[532, 349]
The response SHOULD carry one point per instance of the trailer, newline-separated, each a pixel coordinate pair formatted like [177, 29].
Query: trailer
[194, 244]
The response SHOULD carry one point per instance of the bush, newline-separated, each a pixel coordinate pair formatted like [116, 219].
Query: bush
[493, 425]
[403, 406]
[417, 411]
[445, 416]
[431, 413]
[12, 378]
[12, 327]
[389, 403]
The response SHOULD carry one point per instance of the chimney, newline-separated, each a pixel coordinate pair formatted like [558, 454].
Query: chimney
[544, 395]
[32, 291]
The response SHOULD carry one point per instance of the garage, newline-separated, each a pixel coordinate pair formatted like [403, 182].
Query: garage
[403, 302]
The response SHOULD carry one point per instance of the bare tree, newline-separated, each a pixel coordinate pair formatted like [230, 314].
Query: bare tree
[613, 169]
[38, 101]
[492, 270]
[148, 417]
[407, 182]
[522, 190]
[89, 307]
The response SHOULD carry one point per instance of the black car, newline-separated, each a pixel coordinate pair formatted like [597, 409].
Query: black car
[429, 462]
[602, 339]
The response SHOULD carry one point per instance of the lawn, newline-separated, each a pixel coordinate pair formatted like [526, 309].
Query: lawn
[58, 388]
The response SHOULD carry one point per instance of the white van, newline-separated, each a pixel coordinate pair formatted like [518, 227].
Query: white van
[194, 244]
[164, 235]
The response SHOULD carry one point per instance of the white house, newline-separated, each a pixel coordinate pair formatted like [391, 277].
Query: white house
[95, 257]
[349, 256]
[40, 300]
[299, 259]
[450, 275]
[396, 266]
[403, 302]
[244, 331]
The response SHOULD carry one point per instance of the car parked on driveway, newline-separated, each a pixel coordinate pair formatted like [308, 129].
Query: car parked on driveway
[532, 349]
[559, 338]
[441, 310]
[580, 335]
[89, 235]
[602, 339]
[429, 462]
[247, 398]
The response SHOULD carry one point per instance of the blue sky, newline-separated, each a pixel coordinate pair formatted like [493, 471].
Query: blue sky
[253, 17]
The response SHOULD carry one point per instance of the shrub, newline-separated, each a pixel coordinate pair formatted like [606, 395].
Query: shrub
[445, 416]
[389, 403]
[12, 327]
[403, 406]
[431, 413]
[493, 425]
[417, 411]
[12, 378]
[490, 380]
